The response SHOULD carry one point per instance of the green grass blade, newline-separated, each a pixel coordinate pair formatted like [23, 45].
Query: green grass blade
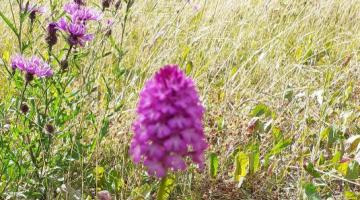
[8, 22]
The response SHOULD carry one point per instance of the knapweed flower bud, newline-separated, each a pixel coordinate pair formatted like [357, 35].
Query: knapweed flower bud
[49, 128]
[108, 30]
[24, 108]
[51, 37]
[33, 10]
[64, 64]
[118, 5]
[106, 4]
[29, 77]
[80, 2]
[169, 126]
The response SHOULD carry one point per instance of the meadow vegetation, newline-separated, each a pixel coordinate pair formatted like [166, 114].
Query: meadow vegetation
[279, 80]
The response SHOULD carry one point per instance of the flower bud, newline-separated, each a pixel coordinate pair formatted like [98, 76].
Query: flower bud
[51, 37]
[64, 65]
[106, 4]
[24, 108]
[29, 77]
[118, 5]
[49, 128]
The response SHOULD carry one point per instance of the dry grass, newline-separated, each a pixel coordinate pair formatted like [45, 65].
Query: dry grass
[243, 52]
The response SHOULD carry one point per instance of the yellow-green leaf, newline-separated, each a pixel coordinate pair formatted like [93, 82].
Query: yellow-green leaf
[352, 143]
[241, 166]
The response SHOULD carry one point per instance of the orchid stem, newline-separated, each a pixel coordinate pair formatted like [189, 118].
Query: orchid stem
[162, 189]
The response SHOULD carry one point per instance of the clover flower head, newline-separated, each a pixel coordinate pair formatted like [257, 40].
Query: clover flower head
[168, 128]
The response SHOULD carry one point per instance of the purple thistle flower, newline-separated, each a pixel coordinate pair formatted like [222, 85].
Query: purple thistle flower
[84, 14]
[33, 10]
[32, 66]
[168, 128]
[71, 8]
[81, 14]
[51, 37]
[18, 62]
[76, 32]
[41, 68]
[106, 4]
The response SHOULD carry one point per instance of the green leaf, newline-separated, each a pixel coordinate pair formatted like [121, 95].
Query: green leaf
[280, 146]
[353, 143]
[277, 134]
[254, 159]
[351, 195]
[214, 165]
[141, 193]
[336, 158]
[189, 67]
[330, 134]
[312, 171]
[353, 170]
[104, 128]
[8, 22]
[241, 166]
[166, 186]
[99, 172]
[260, 109]
[310, 192]
[185, 53]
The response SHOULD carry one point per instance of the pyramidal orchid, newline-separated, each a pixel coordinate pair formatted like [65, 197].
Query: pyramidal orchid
[168, 128]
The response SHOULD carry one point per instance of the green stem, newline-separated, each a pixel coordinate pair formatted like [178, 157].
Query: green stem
[128, 7]
[162, 189]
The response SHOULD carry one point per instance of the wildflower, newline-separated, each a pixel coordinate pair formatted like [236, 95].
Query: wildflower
[169, 127]
[84, 14]
[51, 37]
[118, 5]
[76, 32]
[32, 66]
[24, 108]
[81, 14]
[108, 31]
[33, 10]
[49, 128]
[71, 8]
[106, 4]
[18, 62]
